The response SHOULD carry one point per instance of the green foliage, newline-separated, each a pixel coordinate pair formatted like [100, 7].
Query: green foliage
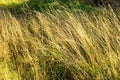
[46, 4]
[86, 7]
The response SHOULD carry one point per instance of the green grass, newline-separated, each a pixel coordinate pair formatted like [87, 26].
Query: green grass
[37, 5]
[60, 45]
[9, 2]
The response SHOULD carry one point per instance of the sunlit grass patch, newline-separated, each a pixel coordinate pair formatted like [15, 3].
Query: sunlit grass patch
[9, 2]
[60, 46]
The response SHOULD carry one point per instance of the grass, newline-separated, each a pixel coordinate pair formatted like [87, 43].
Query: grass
[9, 2]
[60, 46]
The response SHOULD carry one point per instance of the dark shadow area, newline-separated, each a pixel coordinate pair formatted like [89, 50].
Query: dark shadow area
[59, 71]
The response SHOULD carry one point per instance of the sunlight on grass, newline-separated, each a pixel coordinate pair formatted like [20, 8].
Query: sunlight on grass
[9, 2]
[60, 46]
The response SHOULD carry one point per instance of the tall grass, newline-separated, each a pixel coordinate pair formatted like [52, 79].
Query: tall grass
[60, 46]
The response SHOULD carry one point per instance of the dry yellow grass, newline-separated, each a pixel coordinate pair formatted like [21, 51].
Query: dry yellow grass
[63, 46]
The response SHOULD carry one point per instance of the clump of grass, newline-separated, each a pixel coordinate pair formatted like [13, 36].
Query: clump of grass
[60, 46]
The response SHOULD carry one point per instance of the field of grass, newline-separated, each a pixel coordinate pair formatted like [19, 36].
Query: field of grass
[60, 45]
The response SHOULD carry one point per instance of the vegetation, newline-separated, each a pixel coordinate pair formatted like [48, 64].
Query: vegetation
[60, 44]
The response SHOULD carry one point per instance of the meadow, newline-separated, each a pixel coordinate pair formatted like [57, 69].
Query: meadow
[60, 44]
